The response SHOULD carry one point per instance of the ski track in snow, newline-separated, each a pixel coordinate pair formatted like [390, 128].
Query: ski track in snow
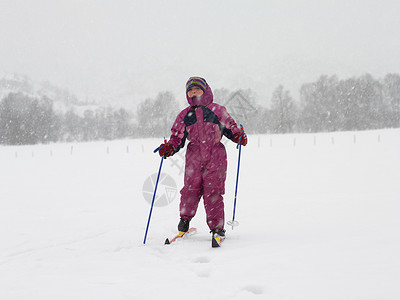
[318, 219]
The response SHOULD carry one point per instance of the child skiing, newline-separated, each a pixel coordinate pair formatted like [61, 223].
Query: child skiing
[203, 123]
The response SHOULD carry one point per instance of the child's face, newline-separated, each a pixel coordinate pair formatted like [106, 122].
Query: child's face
[195, 92]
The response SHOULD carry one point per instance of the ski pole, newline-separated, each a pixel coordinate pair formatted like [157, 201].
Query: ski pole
[233, 222]
[155, 191]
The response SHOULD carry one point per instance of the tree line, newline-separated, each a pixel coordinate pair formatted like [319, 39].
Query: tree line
[328, 104]
[28, 120]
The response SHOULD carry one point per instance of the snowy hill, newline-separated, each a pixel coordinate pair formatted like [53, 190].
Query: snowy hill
[63, 100]
[318, 219]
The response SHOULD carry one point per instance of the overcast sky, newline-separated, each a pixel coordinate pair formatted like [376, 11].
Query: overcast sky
[127, 50]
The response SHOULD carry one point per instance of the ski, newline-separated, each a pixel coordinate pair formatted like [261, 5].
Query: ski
[180, 235]
[217, 240]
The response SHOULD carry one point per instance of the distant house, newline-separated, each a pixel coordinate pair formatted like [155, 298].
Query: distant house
[239, 107]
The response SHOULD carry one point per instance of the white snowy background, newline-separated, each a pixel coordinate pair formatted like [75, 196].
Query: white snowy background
[318, 213]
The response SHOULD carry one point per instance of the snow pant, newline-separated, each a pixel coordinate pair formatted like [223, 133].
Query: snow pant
[205, 176]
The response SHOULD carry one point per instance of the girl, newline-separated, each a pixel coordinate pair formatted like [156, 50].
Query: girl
[203, 123]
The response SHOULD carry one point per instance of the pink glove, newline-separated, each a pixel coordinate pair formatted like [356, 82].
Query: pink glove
[243, 140]
[166, 150]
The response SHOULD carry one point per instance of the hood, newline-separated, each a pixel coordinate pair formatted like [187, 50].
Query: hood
[204, 100]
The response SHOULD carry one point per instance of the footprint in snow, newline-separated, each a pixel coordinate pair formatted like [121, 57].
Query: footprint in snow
[202, 260]
[254, 289]
[202, 267]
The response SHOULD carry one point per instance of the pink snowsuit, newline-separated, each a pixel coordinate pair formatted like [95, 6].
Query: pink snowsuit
[205, 167]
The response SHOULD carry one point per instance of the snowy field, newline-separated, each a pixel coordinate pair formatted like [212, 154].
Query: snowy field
[318, 213]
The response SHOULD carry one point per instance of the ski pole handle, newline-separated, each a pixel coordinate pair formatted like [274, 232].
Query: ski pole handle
[240, 139]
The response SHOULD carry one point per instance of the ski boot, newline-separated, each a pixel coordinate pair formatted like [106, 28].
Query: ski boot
[218, 236]
[183, 225]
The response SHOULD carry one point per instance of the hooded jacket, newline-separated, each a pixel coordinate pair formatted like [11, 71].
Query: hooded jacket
[203, 123]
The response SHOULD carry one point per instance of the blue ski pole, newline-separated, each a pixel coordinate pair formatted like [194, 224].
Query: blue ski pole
[155, 191]
[234, 223]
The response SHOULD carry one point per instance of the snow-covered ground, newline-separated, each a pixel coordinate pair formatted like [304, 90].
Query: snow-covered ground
[318, 213]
